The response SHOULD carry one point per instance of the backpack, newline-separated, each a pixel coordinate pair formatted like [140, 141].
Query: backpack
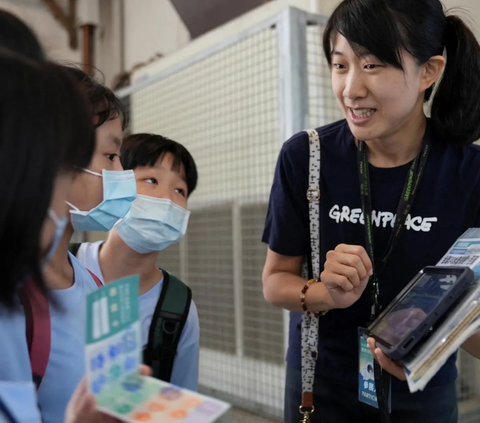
[36, 307]
[168, 322]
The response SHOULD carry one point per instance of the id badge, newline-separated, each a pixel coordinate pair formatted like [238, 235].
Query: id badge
[367, 392]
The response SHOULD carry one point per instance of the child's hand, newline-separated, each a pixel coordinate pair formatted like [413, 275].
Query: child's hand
[145, 370]
[82, 406]
[385, 362]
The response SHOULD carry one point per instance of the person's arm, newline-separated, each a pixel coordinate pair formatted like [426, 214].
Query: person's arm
[185, 368]
[343, 280]
[472, 345]
[287, 233]
[282, 285]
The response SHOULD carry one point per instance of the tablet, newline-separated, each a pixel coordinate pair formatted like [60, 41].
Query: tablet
[423, 302]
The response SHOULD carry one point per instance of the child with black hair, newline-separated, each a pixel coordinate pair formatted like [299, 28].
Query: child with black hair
[39, 156]
[101, 193]
[385, 58]
[15, 35]
[166, 176]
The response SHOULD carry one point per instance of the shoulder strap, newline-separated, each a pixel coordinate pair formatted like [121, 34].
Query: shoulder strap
[73, 247]
[98, 282]
[167, 325]
[38, 329]
[310, 321]
[38, 326]
[313, 197]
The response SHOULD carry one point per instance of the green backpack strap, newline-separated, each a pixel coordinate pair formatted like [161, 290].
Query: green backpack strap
[166, 328]
[73, 247]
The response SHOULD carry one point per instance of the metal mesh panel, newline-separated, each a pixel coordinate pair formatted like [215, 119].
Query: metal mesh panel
[322, 106]
[263, 324]
[468, 388]
[128, 107]
[225, 107]
[225, 110]
[210, 275]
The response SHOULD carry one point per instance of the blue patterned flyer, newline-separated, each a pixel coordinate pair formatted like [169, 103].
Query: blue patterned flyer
[113, 355]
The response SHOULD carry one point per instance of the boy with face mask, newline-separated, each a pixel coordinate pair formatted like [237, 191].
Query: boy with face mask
[166, 175]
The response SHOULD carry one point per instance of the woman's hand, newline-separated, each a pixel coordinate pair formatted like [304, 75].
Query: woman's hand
[346, 274]
[82, 406]
[385, 362]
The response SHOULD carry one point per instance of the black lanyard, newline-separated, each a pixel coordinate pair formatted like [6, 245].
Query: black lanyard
[382, 379]
[405, 204]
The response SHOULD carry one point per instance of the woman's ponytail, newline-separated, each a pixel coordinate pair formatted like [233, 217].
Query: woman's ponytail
[456, 105]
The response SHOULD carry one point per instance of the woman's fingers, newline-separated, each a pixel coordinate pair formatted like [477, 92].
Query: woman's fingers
[385, 362]
[360, 252]
[347, 267]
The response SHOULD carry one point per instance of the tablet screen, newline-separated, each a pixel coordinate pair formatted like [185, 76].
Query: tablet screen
[413, 307]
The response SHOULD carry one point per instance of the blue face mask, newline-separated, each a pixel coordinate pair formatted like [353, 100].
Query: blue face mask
[152, 224]
[119, 191]
[60, 225]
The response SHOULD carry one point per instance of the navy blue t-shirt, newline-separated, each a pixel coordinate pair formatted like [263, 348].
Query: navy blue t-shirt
[447, 203]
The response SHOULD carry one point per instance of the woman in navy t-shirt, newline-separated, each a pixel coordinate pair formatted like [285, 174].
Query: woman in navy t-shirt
[385, 58]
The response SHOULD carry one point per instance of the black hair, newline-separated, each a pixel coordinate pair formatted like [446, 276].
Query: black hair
[15, 35]
[384, 28]
[45, 128]
[146, 149]
[104, 103]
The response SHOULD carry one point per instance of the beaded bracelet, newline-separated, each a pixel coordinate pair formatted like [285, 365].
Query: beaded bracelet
[302, 300]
